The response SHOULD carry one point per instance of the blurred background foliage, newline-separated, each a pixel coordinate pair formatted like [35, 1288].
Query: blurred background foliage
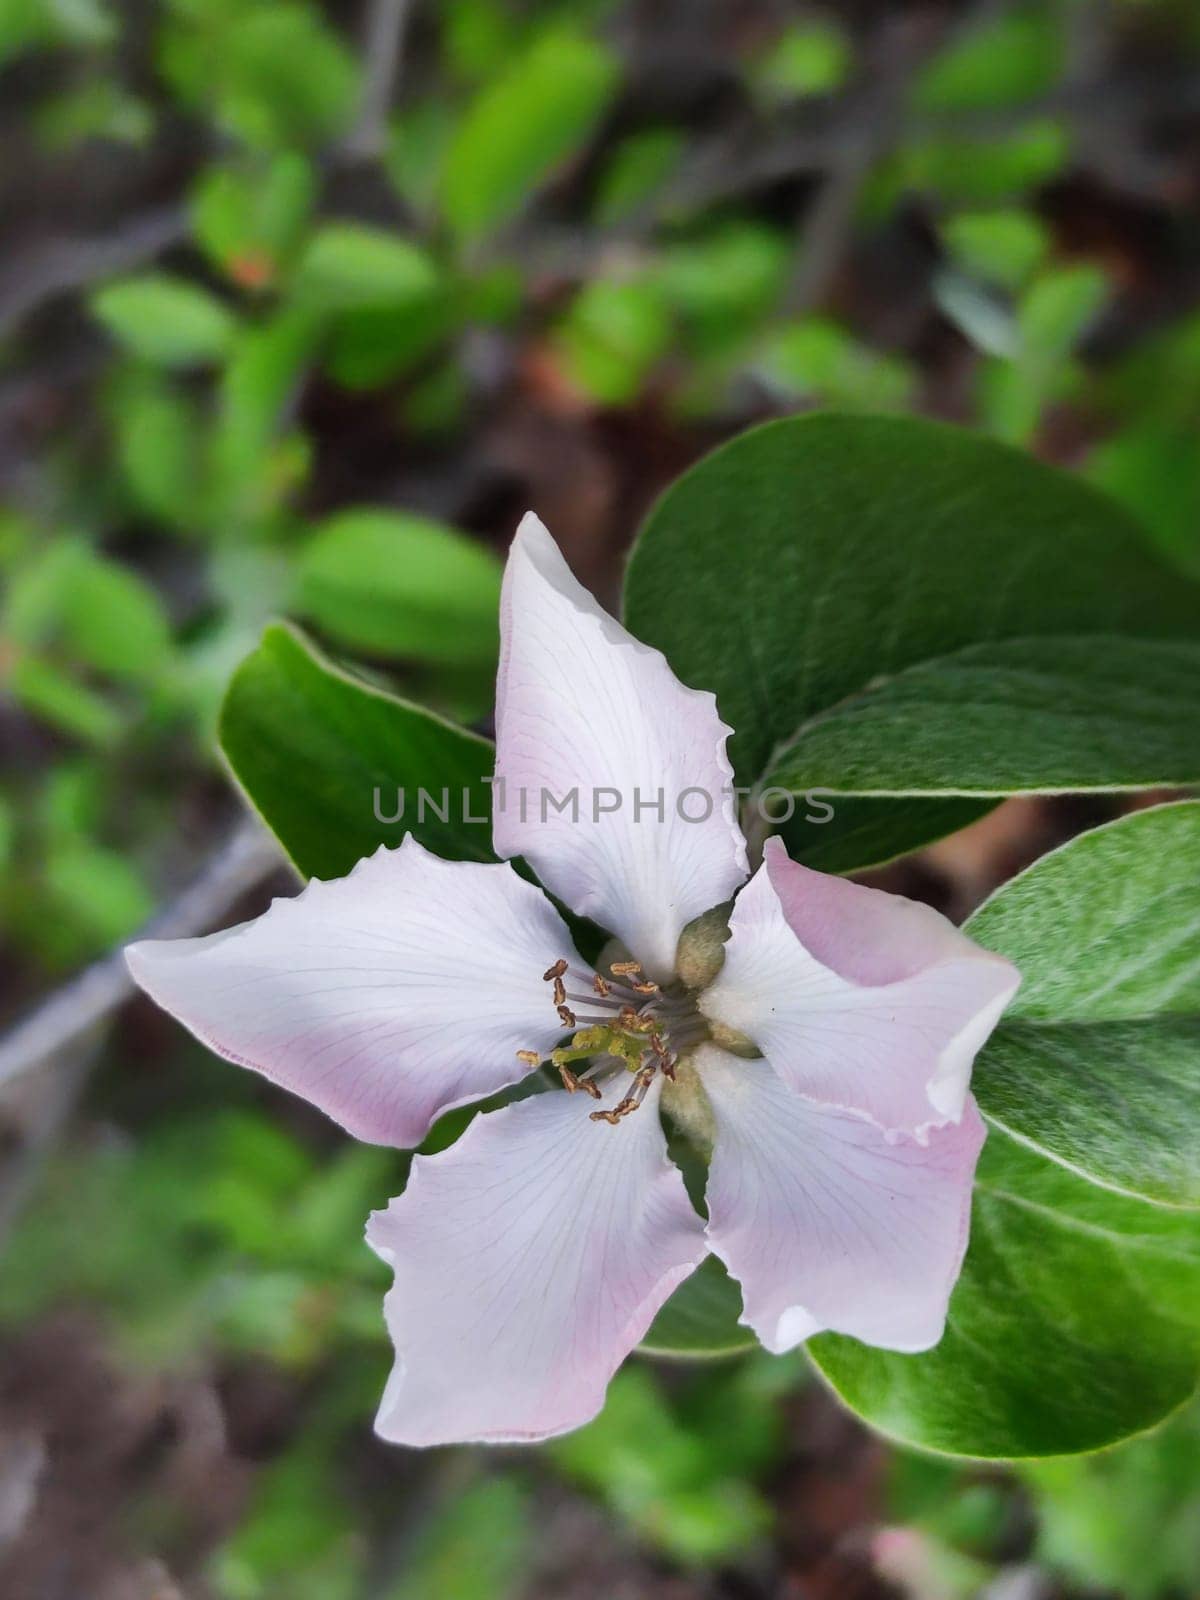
[300, 306]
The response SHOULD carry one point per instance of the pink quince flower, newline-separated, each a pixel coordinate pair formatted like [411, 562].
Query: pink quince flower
[820, 1046]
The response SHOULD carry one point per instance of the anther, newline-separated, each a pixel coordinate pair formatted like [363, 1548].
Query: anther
[556, 971]
[530, 1057]
[625, 969]
[571, 1082]
[566, 1016]
[601, 985]
[560, 992]
[631, 1102]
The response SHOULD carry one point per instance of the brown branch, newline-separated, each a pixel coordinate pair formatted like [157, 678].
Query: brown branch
[58, 266]
[383, 56]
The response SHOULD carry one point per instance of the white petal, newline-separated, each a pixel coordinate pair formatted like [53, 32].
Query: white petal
[530, 1258]
[584, 708]
[385, 997]
[858, 998]
[826, 1221]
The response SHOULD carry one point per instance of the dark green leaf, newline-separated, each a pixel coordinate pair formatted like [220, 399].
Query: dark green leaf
[701, 1317]
[1018, 716]
[1097, 1060]
[1072, 1326]
[865, 832]
[313, 747]
[796, 564]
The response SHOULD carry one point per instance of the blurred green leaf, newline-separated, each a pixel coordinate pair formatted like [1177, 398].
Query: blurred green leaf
[1153, 469]
[371, 347]
[477, 1545]
[1125, 1520]
[8, 831]
[113, 621]
[251, 469]
[1002, 247]
[1058, 308]
[97, 110]
[611, 338]
[638, 170]
[1052, 317]
[1012, 396]
[416, 151]
[722, 283]
[809, 58]
[349, 265]
[56, 697]
[158, 429]
[274, 70]
[299, 1532]
[250, 220]
[1010, 58]
[817, 359]
[28, 24]
[395, 584]
[661, 1477]
[974, 169]
[435, 404]
[97, 889]
[17, 535]
[166, 320]
[99, 613]
[476, 34]
[539, 110]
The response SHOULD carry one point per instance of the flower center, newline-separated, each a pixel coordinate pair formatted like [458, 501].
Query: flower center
[622, 1023]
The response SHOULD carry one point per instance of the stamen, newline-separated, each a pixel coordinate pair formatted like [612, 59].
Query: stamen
[592, 1000]
[625, 1107]
[625, 1023]
[665, 1060]
[572, 1082]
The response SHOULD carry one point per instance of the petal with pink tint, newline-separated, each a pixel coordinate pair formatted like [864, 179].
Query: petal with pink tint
[530, 1258]
[858, 998]
[385, 997]
[827, 1222]
[583, 708]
